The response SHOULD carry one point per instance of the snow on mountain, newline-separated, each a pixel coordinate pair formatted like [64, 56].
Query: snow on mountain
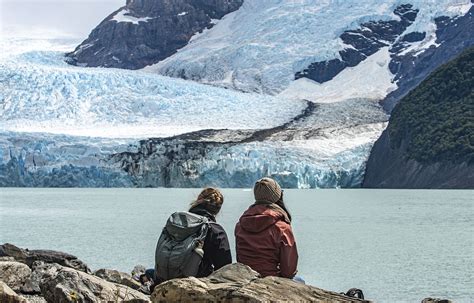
[41, 93]
[63, 125]
[370, 79]
[262, 45]
[125, 16]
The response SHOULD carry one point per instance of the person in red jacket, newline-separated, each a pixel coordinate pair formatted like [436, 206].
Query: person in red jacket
[264, 238]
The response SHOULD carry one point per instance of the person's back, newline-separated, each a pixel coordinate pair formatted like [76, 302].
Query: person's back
[216, 245]
[209, 242]
[264, 238]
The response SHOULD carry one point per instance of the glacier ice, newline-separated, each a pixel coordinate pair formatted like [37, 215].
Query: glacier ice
[316, 163]
[42, 93]
[291, 35]
[333, 158]
[62, 125]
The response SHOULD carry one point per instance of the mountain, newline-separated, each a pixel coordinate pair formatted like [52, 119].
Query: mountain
[264, 46]
[200, 93]
[429, 141]
[144, 32]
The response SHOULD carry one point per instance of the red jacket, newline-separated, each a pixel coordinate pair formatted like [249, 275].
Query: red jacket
[265, 242]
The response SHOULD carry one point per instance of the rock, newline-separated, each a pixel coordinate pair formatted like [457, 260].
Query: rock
[48, 256]
[14, 274]
[138, 270]
[158, 29]
[34, 299]
[118, 277]
[69, 285]
[8, 250]
[40, 272]
[239, 283]
[435, 300]
[7, 295]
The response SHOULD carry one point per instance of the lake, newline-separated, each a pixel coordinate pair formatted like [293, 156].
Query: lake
[396, 245]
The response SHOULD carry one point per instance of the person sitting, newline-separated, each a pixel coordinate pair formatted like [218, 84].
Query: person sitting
[216, 244]
[264, 238]
[192, 243]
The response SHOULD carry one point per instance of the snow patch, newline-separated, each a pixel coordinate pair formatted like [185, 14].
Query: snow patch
[459, 7]
[371, 79]
[416, 48]
[124, 16]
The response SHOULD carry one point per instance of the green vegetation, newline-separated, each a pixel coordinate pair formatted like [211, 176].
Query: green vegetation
[435, 121]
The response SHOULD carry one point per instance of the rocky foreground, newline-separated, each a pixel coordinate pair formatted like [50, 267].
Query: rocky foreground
[49, 276]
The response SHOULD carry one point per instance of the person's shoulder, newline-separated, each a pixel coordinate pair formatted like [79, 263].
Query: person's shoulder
[283, 226]
[216, 228]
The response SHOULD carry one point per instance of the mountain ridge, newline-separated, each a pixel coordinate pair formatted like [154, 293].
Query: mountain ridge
[429, 141]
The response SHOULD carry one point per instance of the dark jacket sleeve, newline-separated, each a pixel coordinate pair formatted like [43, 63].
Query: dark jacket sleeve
[218, 251]
[288, 252]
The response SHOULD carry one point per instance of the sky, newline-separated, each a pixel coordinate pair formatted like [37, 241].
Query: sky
[53, 18]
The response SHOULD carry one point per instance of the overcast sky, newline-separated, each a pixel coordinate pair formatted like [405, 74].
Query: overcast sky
[53, 17]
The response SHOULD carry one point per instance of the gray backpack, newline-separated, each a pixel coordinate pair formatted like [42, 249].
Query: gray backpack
[179, 250]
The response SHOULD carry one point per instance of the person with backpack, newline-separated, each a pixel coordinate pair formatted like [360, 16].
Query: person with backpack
[264, 238]
[192, 243]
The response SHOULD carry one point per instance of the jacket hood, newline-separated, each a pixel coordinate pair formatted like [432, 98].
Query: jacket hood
[259, 217]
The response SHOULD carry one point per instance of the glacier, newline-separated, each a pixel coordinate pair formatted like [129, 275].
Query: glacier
[291, 35]
[65, 126]
[40, 92]
[239, 114]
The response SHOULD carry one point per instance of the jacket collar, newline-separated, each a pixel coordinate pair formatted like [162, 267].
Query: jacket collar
[202, 211]
[274, 207]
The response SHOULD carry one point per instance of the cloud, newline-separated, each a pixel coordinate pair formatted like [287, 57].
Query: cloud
[53, 19]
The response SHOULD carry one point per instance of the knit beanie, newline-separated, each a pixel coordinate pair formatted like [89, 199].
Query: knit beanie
[268, 190]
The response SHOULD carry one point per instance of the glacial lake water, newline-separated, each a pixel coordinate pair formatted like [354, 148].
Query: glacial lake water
[396, 245]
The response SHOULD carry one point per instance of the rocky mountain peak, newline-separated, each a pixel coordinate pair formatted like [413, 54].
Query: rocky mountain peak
[144, 32]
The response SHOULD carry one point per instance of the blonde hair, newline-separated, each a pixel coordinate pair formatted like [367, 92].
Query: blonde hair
[211, 198]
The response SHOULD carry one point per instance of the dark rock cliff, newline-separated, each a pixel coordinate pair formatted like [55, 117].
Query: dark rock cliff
[429, 142]
[144, 32]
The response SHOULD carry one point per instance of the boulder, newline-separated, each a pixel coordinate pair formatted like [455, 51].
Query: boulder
[8, 250]
[69, 285]
[239, 283]
[118, 277]
[48, 256]
[436, 300]
[40, 271]
[7, 295]
[14, 274]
